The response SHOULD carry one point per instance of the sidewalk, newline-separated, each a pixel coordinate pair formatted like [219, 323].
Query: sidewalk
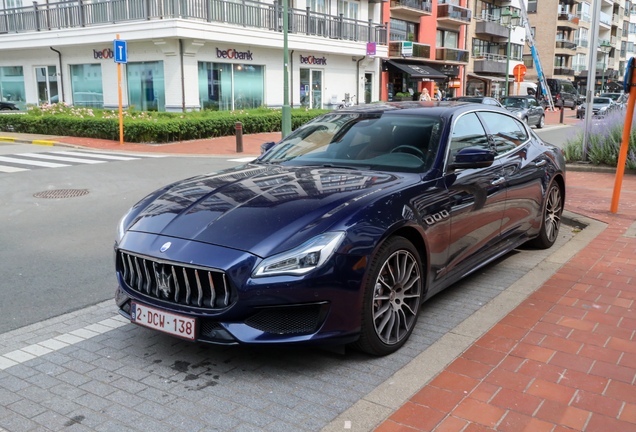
[565, 359]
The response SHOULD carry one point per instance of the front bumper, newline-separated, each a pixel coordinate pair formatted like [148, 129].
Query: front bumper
[322, 307]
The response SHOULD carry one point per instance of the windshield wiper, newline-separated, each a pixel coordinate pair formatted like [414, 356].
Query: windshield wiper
[346, 167]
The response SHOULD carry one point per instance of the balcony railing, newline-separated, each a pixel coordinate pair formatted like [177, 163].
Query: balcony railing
[424, 6]
[396, 49]
[606, 18]
[81, 13]
[579, 68]
[585, 17]
[564, 44]
[451, 54]
[489, 57]
[563, 71]
[613, 40]
[583, 43]
[450, 11]
[615, 18]
[568, 17]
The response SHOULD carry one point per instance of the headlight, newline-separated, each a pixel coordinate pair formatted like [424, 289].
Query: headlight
[303, 259]
[519, 114]
[121, 227]
[603, 109]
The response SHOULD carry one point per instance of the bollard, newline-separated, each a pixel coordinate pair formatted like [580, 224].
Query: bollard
[561, 115]
[239, 137]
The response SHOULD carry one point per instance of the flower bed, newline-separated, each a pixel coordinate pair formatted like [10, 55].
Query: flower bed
[604, 142]
[149, 127]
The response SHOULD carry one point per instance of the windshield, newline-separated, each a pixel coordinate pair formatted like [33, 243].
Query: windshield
[382, 141]
[469, 99]
[612, 96]
[515, 102]
[600, 100]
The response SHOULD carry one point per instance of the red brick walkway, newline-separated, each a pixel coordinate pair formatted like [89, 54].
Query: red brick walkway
[565, 359]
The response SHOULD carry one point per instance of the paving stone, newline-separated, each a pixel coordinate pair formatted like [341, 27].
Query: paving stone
[67, 391]
[220, 421]
[73, 378]
[146, 424]
[26, 408]
[12, 384]
[125, 398]
[51, 420]
[121, 414]
[314, 424]
[93, 402]
[251, 401]
[184, 423]
[317, 411]
[60, 405]
[17, 423]
[253, 417]
[285, 414]
[154, 410]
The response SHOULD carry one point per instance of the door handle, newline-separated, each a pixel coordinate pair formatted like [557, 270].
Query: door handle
[541, 163]
[499, 181]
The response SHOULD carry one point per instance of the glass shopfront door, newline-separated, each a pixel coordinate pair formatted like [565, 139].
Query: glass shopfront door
[368, 87]
[311, 88]
[46, 77]
[146, 89]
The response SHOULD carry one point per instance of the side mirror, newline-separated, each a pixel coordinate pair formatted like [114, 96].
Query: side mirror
[266, 146]
[473, 157]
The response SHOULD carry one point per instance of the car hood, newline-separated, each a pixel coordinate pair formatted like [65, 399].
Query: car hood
[262, 209]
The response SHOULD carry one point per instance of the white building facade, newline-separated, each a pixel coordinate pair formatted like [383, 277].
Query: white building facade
[190, 54]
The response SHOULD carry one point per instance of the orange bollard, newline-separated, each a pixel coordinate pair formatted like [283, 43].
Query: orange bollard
[629, 115]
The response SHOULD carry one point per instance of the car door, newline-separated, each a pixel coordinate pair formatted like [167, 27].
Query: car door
[523, 167]
[477, 201]
[535, 111]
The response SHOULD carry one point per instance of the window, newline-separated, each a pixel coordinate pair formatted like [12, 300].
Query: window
[533, 30]
[468, 132]
[86, 83]
[623, 48]
[348, 9]
[532, 6]
[516, 52]
[628, 7]
[625, 28]
[528, 61]
[632, 28]
[404, 30]
[506, 132]
[226, 86]
[146, 90]
[317, 6]
[630, 47]
[447, 39]
[12, 85]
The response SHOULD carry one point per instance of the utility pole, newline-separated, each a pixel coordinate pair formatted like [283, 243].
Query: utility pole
[591, 76]
[286, 122]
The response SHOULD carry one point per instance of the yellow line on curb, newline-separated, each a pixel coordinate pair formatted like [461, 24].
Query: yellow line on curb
[7, 139]
[44, 142]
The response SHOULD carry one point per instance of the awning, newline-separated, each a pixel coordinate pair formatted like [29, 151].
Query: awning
[489, 78]
[417, 70]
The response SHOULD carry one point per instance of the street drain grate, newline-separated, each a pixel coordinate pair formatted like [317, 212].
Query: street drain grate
[61, 193]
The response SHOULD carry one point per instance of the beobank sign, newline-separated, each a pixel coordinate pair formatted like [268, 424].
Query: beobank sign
[234, 54]
[104, 54]
[313, 60]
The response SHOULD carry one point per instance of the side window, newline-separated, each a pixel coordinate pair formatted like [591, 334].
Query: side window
[506, 132]
[533, 103]
[468, 132]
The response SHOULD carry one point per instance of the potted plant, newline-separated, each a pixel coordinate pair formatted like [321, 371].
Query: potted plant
[401, 96]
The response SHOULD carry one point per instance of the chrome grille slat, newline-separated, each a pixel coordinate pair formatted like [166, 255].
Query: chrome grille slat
[187, 284]
[170, 282]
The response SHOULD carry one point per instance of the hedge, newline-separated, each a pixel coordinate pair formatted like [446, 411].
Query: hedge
[159, 128]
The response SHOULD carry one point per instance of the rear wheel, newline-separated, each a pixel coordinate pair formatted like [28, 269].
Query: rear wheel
[541, 122]
[551, 218]
[392, 297]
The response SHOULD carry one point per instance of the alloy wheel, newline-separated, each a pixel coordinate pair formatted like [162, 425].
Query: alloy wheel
[396, 297]
[553, 210]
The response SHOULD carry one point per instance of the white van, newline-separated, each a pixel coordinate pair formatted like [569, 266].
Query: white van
[523, 89]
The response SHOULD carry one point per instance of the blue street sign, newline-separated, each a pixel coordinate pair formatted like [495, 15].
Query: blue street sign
[121, 51]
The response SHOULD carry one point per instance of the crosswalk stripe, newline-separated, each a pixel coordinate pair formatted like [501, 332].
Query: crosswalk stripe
[96, 155]
[60, 158]
[146, 155]
[9, 169]
[34, 163]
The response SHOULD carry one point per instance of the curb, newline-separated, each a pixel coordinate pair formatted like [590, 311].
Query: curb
[378, 405]
[23, 141]
[575, 167]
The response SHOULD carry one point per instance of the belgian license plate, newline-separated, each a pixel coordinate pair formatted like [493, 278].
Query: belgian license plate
[163, 321]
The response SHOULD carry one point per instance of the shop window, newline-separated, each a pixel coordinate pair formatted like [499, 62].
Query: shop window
[226, 86]
[86, 84]
[248, 86]
[146, 89]
[12, 85]
[475, 87]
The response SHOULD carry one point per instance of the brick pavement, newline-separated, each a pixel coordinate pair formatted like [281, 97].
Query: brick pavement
[565, 359]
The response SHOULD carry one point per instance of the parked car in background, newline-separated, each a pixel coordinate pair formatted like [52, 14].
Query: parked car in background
[339, 233]
[563, 92]
[8, 106]
[620, 99]
[526, 108]
[477, 99]
[601, 106]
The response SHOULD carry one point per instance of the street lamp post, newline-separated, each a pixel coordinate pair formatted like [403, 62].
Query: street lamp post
[286, 125]
[510, 20]
[605, 48]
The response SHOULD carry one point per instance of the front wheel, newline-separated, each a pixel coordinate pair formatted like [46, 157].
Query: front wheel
[551, 218]
[392, 297]
[541, 122]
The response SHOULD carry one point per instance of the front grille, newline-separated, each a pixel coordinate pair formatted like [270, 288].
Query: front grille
[287, 320]
[174, 282]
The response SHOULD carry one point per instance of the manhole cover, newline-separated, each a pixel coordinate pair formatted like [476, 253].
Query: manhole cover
[61, 193]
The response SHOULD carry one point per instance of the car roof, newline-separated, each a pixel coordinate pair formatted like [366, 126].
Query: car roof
[520, 97]
[436, 109]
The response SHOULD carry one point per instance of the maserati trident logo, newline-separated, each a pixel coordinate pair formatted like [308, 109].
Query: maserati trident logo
[165, 247]
[163, 282]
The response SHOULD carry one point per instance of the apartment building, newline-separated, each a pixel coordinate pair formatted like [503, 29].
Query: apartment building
[190, 54]
[427, 47]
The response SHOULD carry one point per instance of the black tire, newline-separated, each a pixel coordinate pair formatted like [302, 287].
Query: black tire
[550, 218]
[525, 120]
[399, 295]
[541, 122]
[573, 107]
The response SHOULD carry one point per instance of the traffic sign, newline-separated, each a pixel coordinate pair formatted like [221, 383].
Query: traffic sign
[519, 70]
[121, 51]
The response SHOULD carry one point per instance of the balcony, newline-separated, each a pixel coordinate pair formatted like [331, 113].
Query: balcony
[563, 71]
[491, 63]
[585, 17]
[252, 14]
[615, 19]
[565, 44]
[411, 8]
[420, 51]
[568, 21]
[613, 40]
[491, 28]
[606, 19]
[454, 15]
[582, 43]
[451, 54]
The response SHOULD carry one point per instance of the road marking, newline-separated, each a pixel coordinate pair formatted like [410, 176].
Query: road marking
[30, 352]
[96, 155]
[246, 159]
[9, 169]
[35, 163]
[145, 155]
[60, 158]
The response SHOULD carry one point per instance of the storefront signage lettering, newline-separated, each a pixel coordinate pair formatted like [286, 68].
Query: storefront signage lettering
[104, 54]
[234, 54]
[313, 60]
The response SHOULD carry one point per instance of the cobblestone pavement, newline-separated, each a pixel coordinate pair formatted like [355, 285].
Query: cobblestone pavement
[93, 370]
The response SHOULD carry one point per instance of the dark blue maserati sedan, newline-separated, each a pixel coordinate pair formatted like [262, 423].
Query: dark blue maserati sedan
[339, 233]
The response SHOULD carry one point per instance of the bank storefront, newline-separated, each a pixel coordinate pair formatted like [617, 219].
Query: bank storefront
[216, 76]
